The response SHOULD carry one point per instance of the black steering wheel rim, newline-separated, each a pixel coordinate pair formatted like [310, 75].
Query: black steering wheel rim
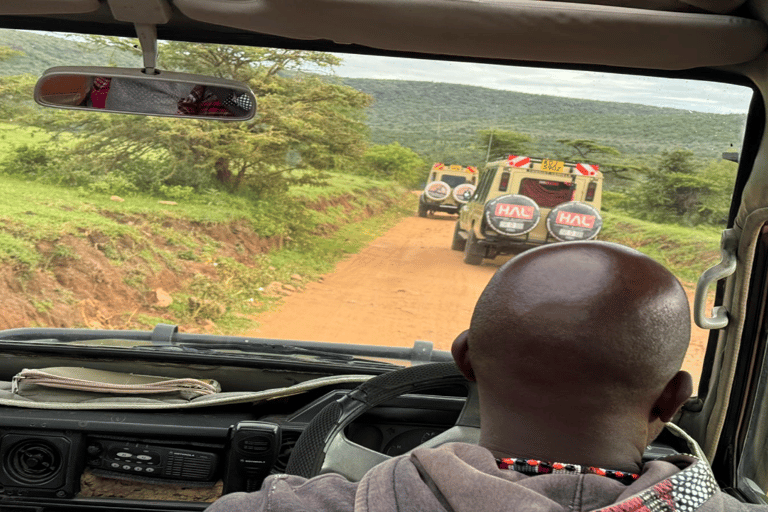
[309, 452]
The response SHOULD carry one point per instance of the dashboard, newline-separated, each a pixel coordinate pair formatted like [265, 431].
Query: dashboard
[62, 459]
[57, 458]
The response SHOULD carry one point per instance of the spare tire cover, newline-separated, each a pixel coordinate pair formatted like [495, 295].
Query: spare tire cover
[437, 190]
[463, 192]
[512, 214]
[574, 220]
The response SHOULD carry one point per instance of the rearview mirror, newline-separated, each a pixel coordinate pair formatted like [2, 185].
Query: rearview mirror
[131, 91]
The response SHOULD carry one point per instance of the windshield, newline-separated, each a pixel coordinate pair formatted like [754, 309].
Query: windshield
[309, 222]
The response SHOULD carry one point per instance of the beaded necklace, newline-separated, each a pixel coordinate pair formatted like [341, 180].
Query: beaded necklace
[538, 467]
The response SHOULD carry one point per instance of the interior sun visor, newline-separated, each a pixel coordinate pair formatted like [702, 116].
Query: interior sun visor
[524, 30]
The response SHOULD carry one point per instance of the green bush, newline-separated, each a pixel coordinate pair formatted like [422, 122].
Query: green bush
[393, 162]
[684, 191]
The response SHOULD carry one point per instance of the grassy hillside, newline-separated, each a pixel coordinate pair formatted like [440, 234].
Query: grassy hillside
[44, 51]
[70, 258]
[440, 121]
[686, 251]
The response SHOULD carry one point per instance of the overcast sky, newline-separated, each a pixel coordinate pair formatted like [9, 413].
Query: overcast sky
[682, 94]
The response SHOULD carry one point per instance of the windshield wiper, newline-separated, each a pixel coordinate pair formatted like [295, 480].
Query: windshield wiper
[269, 350]
[168, 337]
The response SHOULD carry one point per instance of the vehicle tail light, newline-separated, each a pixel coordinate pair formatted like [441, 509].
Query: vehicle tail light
[591, 188]
[504, 183]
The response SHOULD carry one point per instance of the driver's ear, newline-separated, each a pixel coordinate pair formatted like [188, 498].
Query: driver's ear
[460, 352]
[676, 392]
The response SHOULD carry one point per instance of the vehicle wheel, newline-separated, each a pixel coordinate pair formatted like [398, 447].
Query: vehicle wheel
[323, 447]
[422, 210]
[473, 252]
[458, 242]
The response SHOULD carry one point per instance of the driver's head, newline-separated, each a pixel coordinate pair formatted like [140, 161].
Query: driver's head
[586, 329]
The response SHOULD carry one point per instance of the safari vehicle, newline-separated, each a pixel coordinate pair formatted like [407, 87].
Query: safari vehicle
[524, 202]
[87, 247]
[449, 187]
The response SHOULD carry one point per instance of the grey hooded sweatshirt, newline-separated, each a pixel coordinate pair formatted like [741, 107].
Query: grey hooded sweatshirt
[461, 477]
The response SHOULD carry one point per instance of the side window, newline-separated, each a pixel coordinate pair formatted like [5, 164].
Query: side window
[752, 473]
[485, 184]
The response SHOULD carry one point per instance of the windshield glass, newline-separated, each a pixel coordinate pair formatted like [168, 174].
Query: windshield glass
[308, 222]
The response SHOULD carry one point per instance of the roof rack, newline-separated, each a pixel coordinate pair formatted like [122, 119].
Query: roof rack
[551, 165]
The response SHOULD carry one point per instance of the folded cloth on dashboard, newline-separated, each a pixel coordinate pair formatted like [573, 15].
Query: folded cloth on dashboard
[29, 382]
[33, 396]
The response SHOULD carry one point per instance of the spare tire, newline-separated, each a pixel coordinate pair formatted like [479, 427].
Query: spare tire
[512, 214]
[437, 190]
[462, 193]
[574, 220]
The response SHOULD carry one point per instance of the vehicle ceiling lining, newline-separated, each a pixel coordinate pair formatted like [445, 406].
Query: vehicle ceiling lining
[523, 30]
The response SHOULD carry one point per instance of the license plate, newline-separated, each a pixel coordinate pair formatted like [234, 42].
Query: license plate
[552, 165]
[507, 224]
[571, 232]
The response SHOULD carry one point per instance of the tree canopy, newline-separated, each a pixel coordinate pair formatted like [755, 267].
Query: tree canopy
[500, 143]
[303, 122]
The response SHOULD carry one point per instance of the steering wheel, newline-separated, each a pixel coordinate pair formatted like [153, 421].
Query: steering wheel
[323, 447]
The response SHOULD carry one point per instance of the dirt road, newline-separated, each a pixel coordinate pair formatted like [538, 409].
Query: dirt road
[406, 285]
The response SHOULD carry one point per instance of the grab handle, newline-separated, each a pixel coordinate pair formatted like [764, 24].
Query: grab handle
[726, 267]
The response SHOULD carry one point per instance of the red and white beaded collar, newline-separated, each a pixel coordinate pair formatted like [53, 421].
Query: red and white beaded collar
[539, 467]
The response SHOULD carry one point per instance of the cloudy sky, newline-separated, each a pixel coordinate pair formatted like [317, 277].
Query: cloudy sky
[682, 94]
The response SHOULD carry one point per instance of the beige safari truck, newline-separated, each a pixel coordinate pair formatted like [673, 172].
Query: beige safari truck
[448, 188]
[522, 202]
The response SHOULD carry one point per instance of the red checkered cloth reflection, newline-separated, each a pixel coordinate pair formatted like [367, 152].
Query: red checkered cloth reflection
[202, 102]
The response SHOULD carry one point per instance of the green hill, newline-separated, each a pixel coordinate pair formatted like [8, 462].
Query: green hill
[44, 51]
[440, 121]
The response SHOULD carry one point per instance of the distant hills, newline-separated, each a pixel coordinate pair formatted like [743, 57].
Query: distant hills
[440, 121]
[44, 51]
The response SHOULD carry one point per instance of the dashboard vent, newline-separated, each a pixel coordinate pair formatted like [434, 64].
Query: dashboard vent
[33, 461]
[289, 438]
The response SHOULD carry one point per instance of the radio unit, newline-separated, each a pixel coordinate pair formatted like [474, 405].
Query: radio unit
[151, 461]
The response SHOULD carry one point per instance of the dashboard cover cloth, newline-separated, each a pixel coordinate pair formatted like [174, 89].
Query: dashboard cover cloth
[32, 395]
[29, 382]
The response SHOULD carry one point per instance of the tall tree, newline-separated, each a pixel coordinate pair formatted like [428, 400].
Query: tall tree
[500, 143]
[303, 120]
[586, 149]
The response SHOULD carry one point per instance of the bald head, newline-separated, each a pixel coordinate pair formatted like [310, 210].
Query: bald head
[576, 349]
[581, 316]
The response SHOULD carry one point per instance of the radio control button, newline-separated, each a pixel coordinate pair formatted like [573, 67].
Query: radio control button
[124, 454]
[137, 468]
[144, 457]
[150, 470]
[115, 465]
[127, 467]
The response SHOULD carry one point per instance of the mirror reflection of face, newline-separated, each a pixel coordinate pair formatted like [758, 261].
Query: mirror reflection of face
[67, 90]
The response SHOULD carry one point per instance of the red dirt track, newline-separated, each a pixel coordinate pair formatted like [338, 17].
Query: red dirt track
[388, 293]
